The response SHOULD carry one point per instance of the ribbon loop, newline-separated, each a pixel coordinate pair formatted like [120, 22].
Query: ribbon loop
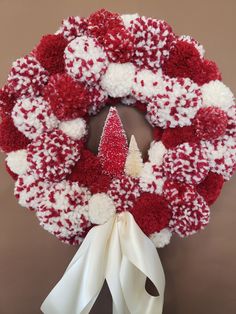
[120, 253]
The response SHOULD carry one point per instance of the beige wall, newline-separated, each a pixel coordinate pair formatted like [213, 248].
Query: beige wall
[200, 270]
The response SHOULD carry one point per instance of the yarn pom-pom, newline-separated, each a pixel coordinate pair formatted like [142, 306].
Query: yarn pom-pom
[152, 178]
[101, 22]
[98, 99]
[119, 46]
[194, 42]
[118, 79]
[75, 129]
[27, 77]
[113, 148]
[63, 211]
[101, 208]
[50, 51]
[124, 191]
[52, 155]
[176, 106]
[184, 60]
[33, 116]
[211, 187]
[152, 40]
[217, 94]
[210, 123]
[190, 218]
[207, 73]
[161, 238]
[85, 60]
[17, 161]
[179, 193]
[151, 212]
[68, 98]
[186, 163]
[72, 27]
[172, 137]
[88, 172]
[11, 138]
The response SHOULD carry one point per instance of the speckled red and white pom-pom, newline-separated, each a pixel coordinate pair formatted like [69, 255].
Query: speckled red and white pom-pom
[27, 77]
[51, 155]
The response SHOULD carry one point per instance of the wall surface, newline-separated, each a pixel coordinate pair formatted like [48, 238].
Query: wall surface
[200, 270]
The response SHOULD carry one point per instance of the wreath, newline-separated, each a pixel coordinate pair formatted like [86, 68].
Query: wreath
[70, 76]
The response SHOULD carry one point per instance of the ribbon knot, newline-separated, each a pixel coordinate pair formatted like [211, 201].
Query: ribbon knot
[120, 253]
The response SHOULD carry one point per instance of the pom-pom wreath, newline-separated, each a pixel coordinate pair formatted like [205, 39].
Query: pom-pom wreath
[33, 116]
[186, 162]
[118, 79]
[113, 148]
[75, 129]
[156, 152]
[134, 161]
[52, 155]
[151, 213]
[27, 77]
[189, 218]
[10, 138]
[101, 208]
[50, 52]
[85, 60]
[211, 187]
[177, 106]
[124, 191]
[63, 211]
[179, 193]
[17, 161]
[68, 99]
[72, 27]
[210, 123]
[217, 94]
[152, 40]
[161, 238]
[101, 22]
[152, 178]
[101, 61]
[88, 172]
[172, 137]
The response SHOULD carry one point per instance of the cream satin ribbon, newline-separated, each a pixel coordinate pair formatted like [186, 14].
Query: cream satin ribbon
[121, 253]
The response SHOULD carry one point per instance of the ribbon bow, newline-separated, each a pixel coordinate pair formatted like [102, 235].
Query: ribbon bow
[121, 253]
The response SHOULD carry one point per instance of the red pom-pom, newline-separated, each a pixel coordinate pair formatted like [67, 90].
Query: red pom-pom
[68, 98]
[157, 133]
[88, 172]
[119, 45]
[141, 106]
[50, 52]
[184, 61]
[174, 136]
[7, 101]
[102, 21]
[10, 138]
[210, 123]
[178, 193]
[208, 72]
[151, 212]
[211, 187]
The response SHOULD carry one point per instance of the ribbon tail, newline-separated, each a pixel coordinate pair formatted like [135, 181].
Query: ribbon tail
[140, 260]
[79, 287]
[112, 273]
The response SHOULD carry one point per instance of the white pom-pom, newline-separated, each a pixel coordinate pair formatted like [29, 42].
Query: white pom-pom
[156, 152]
[128, 18]
[162, 238]
[17, 161]
[118, 79]
[101, 208]
[75, 129]
[217, 94]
